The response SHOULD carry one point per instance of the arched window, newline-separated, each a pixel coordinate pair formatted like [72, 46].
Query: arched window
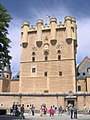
[33, 53]
[46, 55]
[33, 56]
[59, 54]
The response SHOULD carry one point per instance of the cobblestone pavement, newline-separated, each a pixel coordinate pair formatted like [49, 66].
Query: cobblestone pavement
[65, 116]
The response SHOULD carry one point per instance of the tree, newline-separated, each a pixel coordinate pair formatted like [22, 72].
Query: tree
[5, 18]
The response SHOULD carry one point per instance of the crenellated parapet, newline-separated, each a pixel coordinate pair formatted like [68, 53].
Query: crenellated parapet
[69, 26]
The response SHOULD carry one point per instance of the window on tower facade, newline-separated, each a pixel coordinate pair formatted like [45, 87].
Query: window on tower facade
[33, 70]
[45, 73]
[33, 56]
[59, 57]
[46, 55]
[79, 88]
[46, 58]
[33, 59]
[60, 73]
[33, 53]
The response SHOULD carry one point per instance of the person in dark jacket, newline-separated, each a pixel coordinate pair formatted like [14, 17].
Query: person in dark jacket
[75, 112]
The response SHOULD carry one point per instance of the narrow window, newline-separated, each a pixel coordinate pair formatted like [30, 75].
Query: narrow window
[33, 70]
[33, 59]
[79, 88]
[60, 73]
[45, 73]
[59, 57]
[46, 58]
[33, 53]
[7, 76]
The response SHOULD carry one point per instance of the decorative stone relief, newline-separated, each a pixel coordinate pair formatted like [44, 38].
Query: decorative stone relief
[58, 46]
[53, 42]
[69, 41]
[39, 43]
[34, 48]
[58, 52]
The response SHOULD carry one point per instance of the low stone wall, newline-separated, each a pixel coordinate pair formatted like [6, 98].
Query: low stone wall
[57, 99]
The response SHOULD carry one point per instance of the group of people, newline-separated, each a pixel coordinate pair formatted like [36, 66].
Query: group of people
[43, 110]
[72, 110]
[51, 111]
[17, 110]
[14, 109]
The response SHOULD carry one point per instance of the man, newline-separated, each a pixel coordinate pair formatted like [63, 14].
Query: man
[22, 111]
[71, 111]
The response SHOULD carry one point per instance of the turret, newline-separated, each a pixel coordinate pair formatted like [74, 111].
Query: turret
[7, 72]
[25, 28]
[39, 29]
[39, 32]
[53, 23]
[74, 31]
[68, 20]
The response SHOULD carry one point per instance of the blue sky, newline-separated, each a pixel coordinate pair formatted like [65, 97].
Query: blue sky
[31, 10]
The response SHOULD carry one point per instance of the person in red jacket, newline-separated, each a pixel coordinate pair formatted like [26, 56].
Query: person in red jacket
[51, 112]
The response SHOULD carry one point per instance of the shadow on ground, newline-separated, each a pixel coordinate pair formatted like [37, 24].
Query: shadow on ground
[8, 117]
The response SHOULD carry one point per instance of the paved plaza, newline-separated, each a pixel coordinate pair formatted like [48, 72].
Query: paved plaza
[65, 116]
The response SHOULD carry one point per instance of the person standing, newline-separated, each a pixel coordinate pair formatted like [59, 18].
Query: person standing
[30, 109]
[75, 112]
[22, 111]
[60, 110]
[85, 109]
[13, 108]
[71, 111]
[33, 110]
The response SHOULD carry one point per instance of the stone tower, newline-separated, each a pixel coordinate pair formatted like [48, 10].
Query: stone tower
[48, 56]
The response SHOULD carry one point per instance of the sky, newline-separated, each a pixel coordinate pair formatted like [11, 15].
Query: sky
[31, 10]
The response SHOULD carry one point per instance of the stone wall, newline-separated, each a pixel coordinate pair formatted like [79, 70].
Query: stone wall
[7, 99]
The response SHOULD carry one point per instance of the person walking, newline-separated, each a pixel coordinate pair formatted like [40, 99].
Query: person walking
[22, 112]
[60, 110]
[13, 108]
[51, 112]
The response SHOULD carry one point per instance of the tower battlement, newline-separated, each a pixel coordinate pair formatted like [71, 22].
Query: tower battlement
[69, 26]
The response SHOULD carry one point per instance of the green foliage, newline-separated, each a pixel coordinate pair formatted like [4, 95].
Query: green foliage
[5, 18]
